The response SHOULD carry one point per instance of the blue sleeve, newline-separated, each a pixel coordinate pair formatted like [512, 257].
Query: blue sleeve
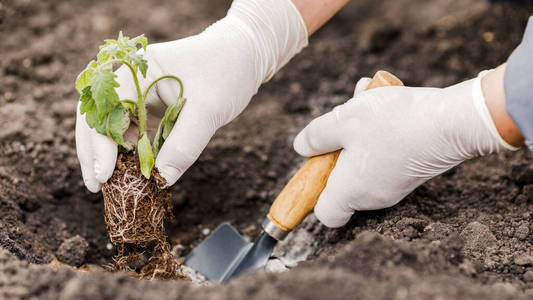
[518, 84]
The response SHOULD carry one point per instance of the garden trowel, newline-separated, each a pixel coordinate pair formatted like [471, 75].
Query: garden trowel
[225, 253]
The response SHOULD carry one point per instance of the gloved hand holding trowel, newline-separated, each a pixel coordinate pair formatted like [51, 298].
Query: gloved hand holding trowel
[388, 141]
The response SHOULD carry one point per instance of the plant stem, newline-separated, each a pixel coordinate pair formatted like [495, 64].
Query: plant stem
[165, 77]
[141, 108]
[129, 101]
[141, 97]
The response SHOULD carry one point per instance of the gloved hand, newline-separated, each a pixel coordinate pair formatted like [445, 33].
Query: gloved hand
[393, 140]
[221, 69]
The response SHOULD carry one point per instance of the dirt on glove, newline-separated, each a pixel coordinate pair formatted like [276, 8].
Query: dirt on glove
[135, 212]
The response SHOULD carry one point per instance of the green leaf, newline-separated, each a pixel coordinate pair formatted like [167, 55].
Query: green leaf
[158, 139]
[88, 107]
[107, 52]
[83, 79]
[122, 149]
[167, 123]
[103, 86]
[108, 42]
[122, 40]
[141, 39]
[85, 76]
[125, 43]
[130, 105]
[171, 115]
[121, 54]
[87, 101]
[140, 62]
[117, 122]
[146, 156]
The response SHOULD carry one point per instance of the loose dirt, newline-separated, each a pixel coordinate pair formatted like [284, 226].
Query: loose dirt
[465, 234]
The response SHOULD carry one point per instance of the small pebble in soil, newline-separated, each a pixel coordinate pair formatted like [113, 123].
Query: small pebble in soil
[417, 224]
[196, 278]
[488, 36]
[528, 192]
[477, 237]
[274, 175]
[528, 276]
[411, 227]
[467, 267]
[504, 287]
[410, 232]
[523, 259]
[520, 199]
[522, 174]
[508, 231]
[247, 149]
[206, 231]
[522, 232]
[73, 251]
[275, 265]
[437, 231]
[251, 194]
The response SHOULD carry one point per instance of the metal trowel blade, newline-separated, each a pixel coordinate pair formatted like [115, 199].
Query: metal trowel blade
[225, 253]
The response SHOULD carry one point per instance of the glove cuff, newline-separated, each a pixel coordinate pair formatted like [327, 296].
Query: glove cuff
[482, 109]
[275, 29]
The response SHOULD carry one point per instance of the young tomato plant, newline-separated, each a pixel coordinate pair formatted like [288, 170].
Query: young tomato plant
[108, 114]
[135, 207]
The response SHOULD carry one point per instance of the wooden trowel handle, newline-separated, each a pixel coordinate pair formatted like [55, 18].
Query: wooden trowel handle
[300, 195]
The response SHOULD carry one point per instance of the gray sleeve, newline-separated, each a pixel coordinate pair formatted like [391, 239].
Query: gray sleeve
[518, 84]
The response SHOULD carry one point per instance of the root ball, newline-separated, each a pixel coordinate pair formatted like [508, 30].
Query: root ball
[135, 211]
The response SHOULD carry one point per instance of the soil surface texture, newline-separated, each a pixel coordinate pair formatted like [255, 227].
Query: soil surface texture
[466, 234]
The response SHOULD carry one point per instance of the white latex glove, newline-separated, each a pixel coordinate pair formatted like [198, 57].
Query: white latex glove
[393, 140]
[221, 69]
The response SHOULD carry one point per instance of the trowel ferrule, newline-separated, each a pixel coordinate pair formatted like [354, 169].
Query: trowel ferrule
[273, 230]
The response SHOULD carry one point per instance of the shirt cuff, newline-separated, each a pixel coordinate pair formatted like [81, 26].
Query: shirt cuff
[518, 84]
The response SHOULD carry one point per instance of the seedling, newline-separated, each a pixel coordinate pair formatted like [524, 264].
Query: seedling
[108, 114]
[135, 205]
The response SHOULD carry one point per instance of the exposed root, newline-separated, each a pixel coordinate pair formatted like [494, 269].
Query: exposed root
[162, 265]
[135, 211]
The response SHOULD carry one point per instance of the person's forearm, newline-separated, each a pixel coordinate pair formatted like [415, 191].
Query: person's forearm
[493, 90]
[317, 12]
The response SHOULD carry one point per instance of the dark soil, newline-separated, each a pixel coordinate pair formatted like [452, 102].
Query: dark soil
[135, 209]
[73, 251]
[465, 234]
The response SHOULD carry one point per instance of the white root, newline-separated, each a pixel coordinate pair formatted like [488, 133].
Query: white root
[121, 212]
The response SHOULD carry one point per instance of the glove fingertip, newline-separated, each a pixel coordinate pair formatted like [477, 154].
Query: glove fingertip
[299, 144]
[103, 170]
[105, 153]
[169, 173]
[361, 85]
[92, 185]
[102, 177]
[329, 213]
